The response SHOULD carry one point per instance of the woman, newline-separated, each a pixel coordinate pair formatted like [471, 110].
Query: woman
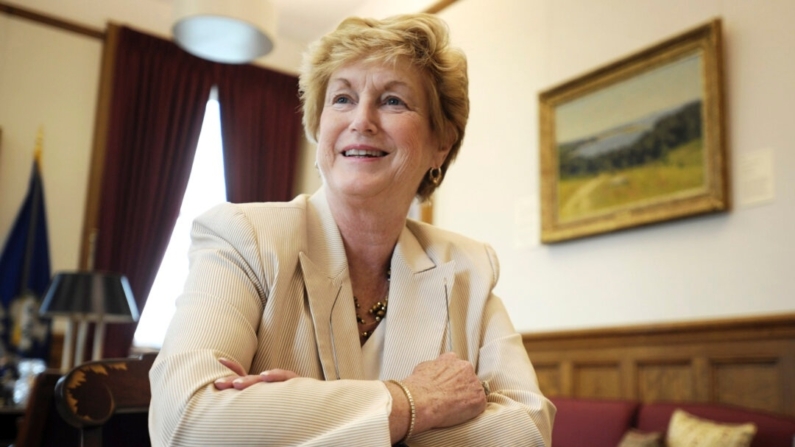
[368, 328]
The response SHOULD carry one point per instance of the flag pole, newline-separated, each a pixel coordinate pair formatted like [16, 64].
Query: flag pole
[34, 212]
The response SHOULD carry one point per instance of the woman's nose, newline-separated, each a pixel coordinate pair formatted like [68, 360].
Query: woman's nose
[365, 119]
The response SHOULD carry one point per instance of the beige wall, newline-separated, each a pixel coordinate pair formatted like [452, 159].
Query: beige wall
[707, 267]
[48, 79]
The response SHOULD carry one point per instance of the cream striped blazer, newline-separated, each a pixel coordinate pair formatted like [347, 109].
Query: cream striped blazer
[263, 283]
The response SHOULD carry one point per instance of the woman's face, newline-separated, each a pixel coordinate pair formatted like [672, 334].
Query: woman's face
[374, 138]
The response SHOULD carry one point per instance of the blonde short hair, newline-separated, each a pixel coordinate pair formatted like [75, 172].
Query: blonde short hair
[423, 40]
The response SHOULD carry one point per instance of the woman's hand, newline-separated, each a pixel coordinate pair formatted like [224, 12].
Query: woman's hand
[240, 380]
[446, 392]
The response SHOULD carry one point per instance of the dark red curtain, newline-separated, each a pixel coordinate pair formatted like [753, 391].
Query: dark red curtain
[158, 101]
[261, 129]
[157, 107]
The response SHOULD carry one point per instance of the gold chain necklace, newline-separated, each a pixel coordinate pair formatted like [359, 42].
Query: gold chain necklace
[378, 310]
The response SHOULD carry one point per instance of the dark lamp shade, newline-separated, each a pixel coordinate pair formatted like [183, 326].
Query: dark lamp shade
[92, 296]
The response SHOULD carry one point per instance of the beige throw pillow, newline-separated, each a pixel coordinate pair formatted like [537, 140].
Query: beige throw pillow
[637, 438]
[686, 430]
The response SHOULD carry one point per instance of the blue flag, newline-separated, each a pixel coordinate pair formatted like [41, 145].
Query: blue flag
[24, 276]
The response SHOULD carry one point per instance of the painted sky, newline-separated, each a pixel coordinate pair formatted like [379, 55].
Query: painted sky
[665, 87]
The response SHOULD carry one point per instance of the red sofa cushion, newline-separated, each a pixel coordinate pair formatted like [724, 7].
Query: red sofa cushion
[601, 422]
[772, 430]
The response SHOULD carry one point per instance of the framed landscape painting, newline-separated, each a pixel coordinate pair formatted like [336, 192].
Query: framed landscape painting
[636, 142]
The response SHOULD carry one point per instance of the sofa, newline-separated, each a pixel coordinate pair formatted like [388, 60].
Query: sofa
[603, 423]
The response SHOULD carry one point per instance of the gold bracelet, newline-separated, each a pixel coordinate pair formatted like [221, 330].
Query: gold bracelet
[411, 406]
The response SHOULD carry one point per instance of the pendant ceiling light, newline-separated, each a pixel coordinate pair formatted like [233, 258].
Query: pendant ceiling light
[228, 31]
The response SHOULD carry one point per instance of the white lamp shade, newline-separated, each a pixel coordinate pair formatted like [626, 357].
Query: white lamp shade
[228, 31]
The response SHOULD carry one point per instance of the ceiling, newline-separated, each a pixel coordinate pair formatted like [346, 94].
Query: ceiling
[306, 20]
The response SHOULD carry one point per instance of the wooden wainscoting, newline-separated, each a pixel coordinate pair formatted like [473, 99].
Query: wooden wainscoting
[748, 362]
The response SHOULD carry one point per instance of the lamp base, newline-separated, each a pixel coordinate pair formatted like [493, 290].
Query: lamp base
[68, 344]
[82, 334]
[99, 340]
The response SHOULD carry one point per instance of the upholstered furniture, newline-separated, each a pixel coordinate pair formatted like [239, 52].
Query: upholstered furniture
[603, 423]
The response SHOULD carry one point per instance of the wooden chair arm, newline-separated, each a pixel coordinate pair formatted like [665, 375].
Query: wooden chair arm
[89, 394]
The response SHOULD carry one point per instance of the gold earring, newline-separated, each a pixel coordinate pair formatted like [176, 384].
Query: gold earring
[435, 174]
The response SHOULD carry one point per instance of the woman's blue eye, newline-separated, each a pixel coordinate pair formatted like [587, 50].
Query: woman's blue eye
[341, 100]
[392, 101]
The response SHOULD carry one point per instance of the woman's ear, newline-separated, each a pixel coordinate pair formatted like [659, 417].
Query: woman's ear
[445, 146]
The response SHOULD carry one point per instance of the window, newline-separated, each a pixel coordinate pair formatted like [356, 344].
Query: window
[206, 188]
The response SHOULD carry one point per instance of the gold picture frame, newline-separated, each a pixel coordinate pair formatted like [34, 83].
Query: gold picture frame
[636, 142]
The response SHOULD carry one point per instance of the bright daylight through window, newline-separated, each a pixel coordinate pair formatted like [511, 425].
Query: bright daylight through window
[205, 188]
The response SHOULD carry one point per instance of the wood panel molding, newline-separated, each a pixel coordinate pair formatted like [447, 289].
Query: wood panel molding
[53, 21]
[748, 362]
[439, 6]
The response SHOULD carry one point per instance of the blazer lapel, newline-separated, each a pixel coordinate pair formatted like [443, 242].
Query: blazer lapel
[417, 319]
[331, 305]
[325, 271]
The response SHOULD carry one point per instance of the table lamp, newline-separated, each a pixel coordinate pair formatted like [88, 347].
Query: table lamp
[229, 31]
[88, 296]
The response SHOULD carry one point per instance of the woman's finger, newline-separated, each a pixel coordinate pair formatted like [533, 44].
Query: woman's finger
[237, 382]
[277, 375]
[448, 356]
[233, 365]
[243, 382]
[225, 383]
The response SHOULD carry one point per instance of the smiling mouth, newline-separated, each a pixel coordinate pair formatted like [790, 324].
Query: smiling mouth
[361, 153]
